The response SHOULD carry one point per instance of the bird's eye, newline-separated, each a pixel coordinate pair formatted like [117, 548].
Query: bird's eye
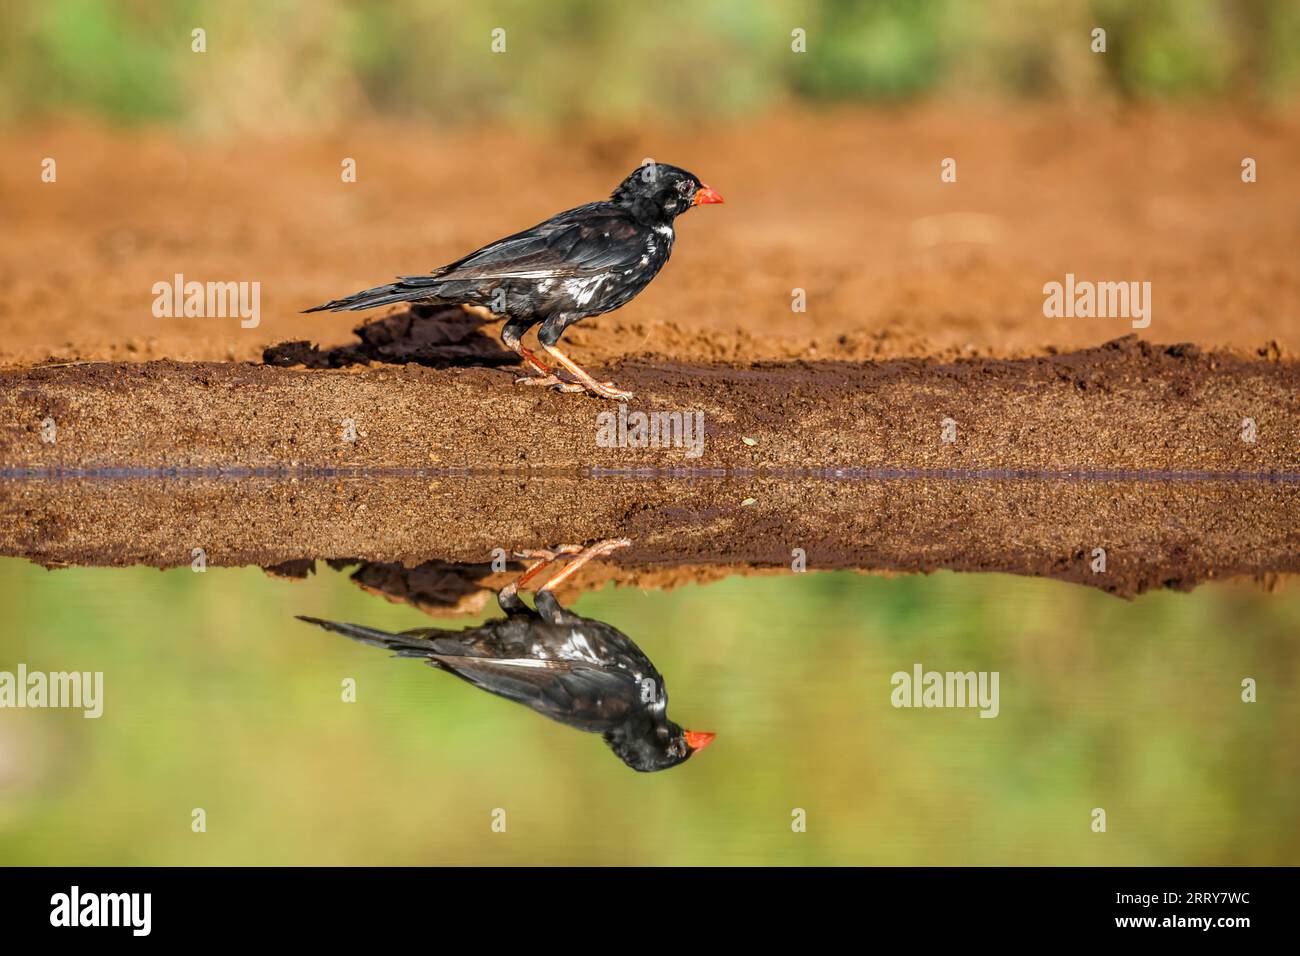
[684, 186]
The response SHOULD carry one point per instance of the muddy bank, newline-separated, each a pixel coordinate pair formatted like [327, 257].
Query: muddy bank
[1126, 405]
[1155, 534]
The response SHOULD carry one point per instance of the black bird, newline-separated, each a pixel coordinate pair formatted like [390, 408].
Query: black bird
[580, 672]
[585, 261]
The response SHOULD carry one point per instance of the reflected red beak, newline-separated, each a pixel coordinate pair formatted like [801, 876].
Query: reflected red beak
[699, 739]
[703, 196]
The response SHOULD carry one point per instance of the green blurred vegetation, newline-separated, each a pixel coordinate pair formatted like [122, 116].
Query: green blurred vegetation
[216, 698]
[311, 63]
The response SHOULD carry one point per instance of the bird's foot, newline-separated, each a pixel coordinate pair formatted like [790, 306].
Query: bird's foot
[597, 550]
[608, 546]
[538, 380]
[589, 384]
[553, 381]
[543, 554]
[607, 390]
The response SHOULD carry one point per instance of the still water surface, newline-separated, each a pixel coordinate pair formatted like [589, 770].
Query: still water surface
[217, 699]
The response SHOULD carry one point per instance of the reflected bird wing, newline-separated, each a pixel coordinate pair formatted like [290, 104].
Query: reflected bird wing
[578, 694]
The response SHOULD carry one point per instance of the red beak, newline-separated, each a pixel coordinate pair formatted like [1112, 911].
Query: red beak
[704, 196]
[699, 739]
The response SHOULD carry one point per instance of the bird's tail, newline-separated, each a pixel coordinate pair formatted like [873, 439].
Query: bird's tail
[372, 298]
[402, 645]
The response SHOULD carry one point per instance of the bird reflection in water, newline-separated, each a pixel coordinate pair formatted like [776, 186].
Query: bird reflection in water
[580, 672]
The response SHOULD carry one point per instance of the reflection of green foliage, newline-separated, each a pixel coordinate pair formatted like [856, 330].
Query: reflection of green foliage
[331, 60]
[216, 698]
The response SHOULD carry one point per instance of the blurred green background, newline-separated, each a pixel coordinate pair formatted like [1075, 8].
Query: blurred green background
[317, 63]
[216, 698]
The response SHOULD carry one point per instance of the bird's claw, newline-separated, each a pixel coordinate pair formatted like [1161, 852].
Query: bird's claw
[609, 545]
[538, 380]
[551, 381]
[543, 554]
[611, 391]
[550, 554]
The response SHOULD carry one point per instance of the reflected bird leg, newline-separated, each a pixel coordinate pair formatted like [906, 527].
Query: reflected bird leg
[508, 596]
[597, 550]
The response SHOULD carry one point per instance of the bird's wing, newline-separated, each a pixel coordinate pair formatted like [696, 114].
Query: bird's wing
[586, 241]
[581, 695]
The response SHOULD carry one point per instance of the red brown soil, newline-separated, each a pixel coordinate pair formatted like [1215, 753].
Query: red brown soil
[1127, 405]
[846, 205]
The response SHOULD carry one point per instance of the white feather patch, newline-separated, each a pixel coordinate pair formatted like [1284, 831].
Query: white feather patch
[583, 289]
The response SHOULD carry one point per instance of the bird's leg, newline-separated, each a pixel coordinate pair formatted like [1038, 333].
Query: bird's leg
[546, 555]
[508, 596]
[552, 380]
[548, 607]
[603, 389]
[597, 550]
[545, 375]
[539, 373]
